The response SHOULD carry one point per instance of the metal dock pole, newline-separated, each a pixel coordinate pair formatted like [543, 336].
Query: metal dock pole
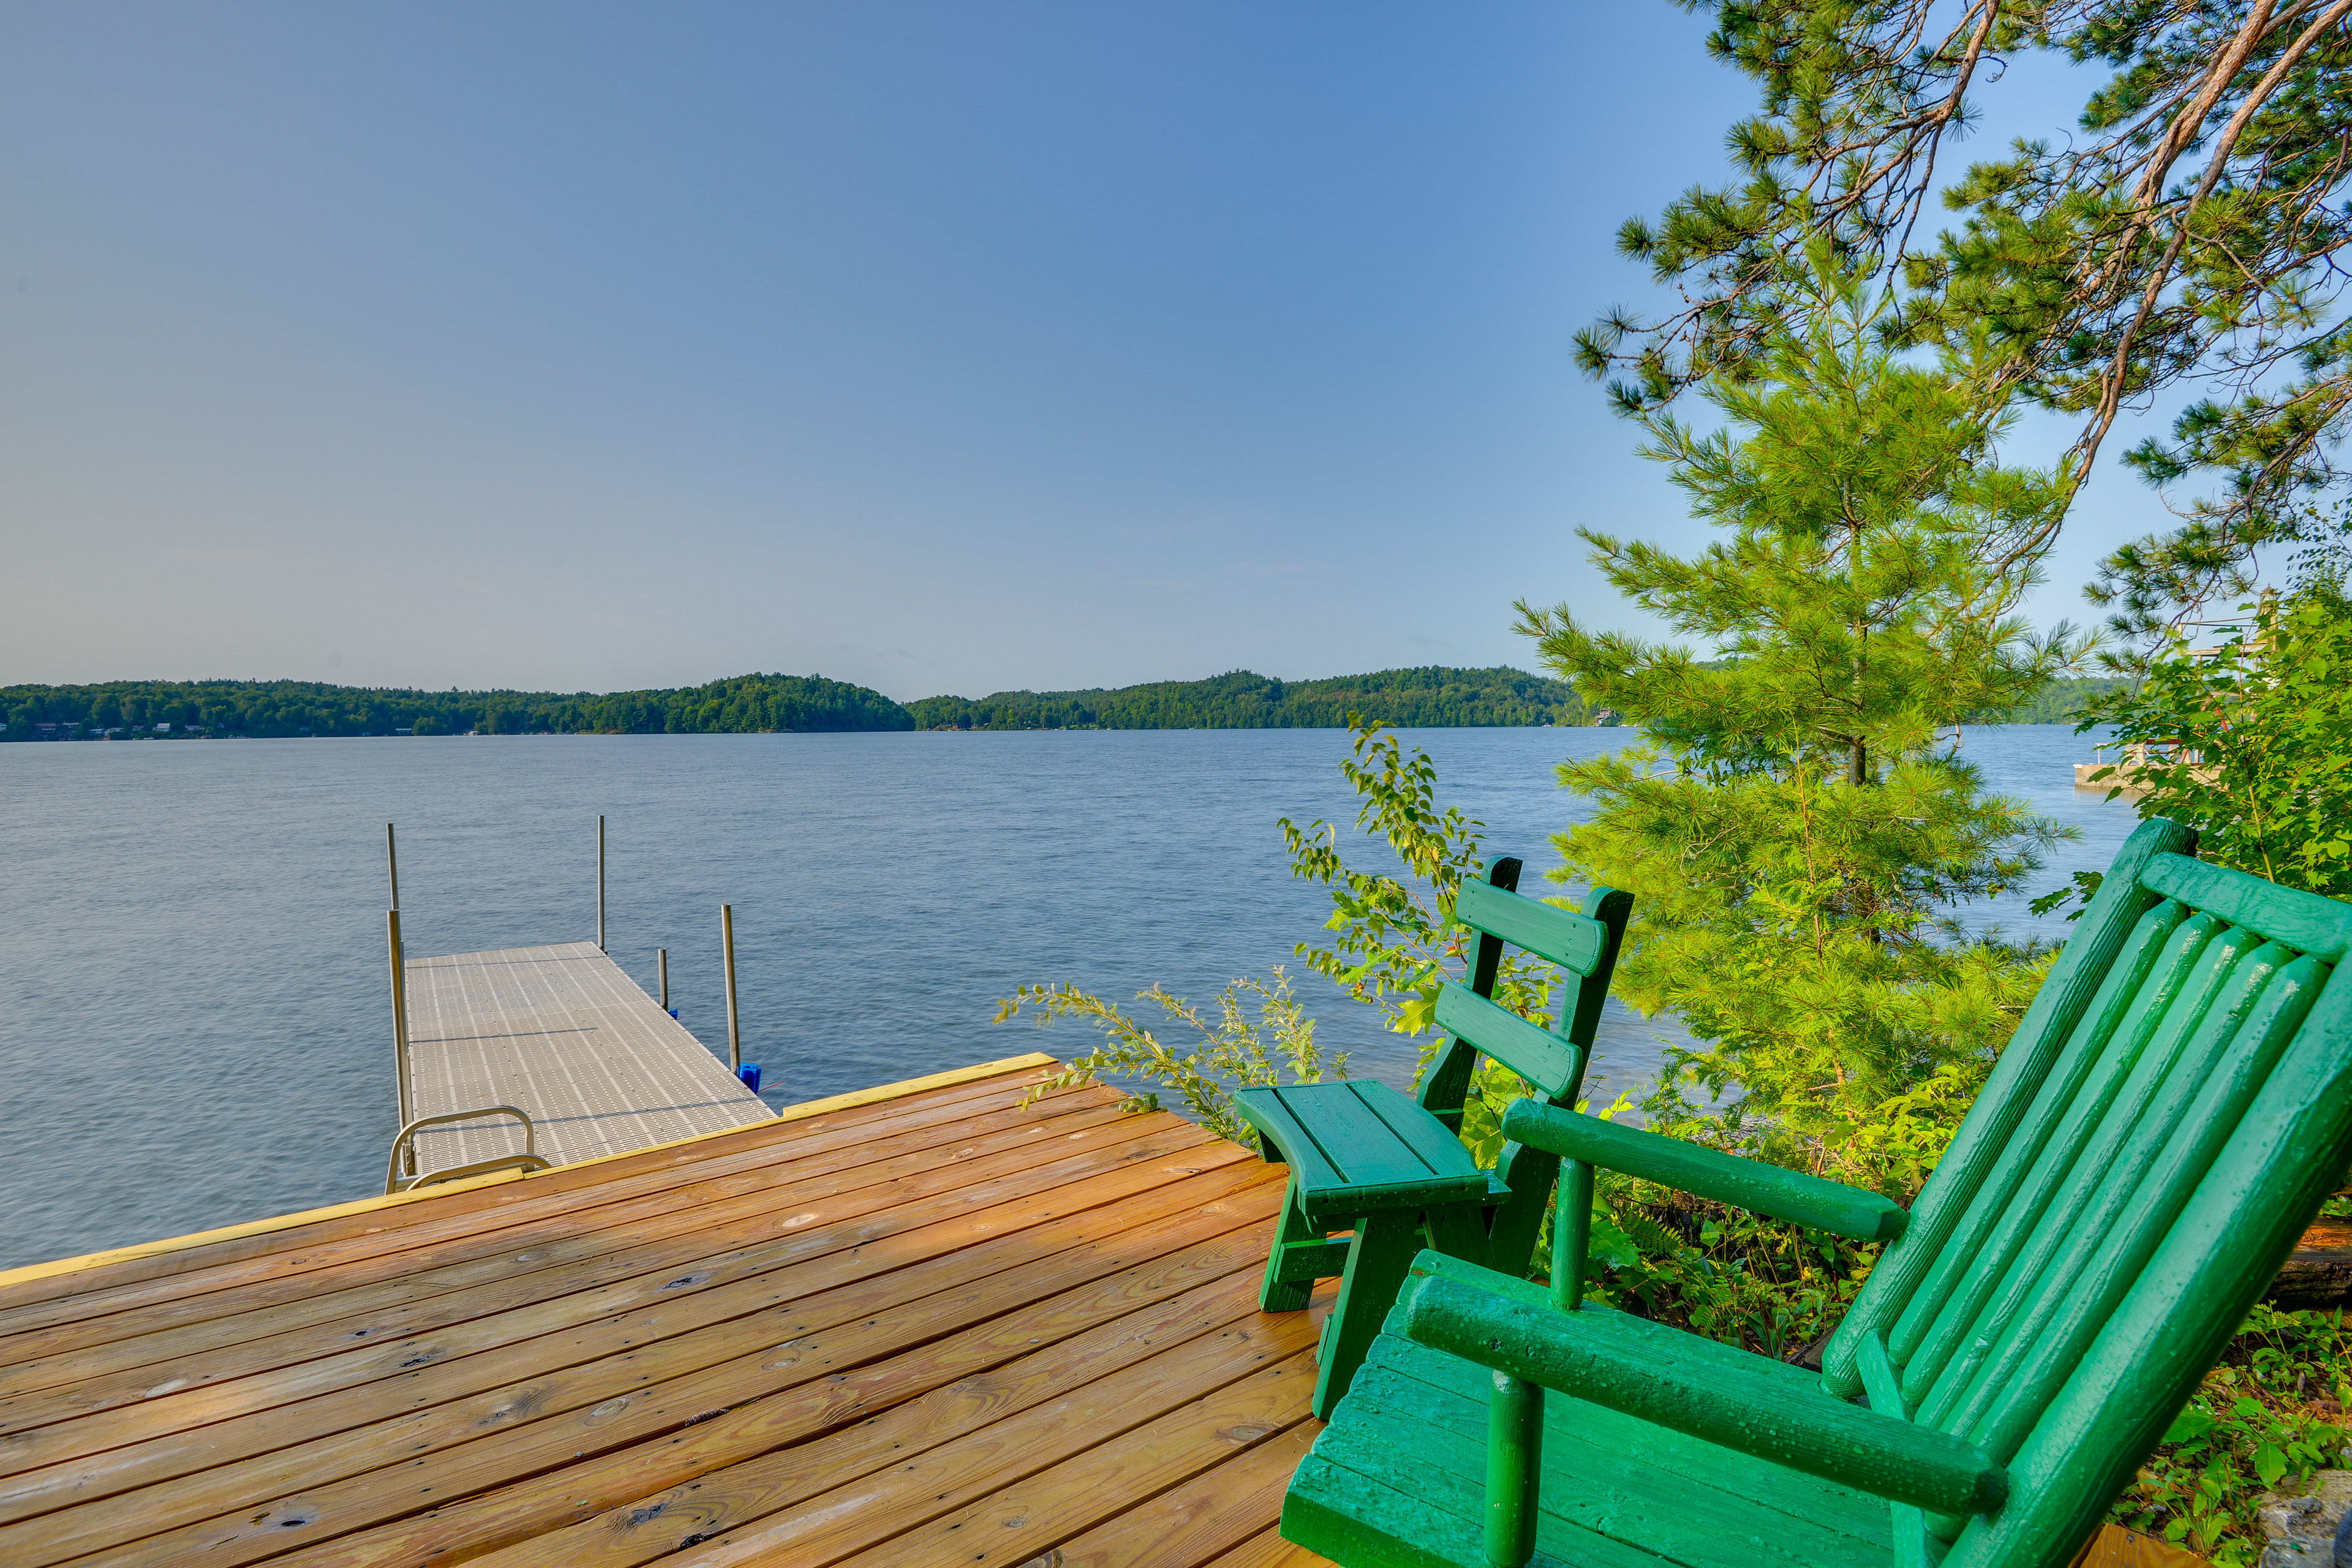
[399, 1026]
[661, 962]
[599, 881]
[392, 869]
[734, 1032]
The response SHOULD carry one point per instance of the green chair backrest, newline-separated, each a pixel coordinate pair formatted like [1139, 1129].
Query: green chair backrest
[1584, 944]
[2169, 1116]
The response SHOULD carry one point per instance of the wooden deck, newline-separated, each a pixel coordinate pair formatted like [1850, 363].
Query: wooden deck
[565, 1035]
[923, 1325]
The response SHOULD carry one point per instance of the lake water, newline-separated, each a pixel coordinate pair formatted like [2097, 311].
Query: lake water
[194, 1029]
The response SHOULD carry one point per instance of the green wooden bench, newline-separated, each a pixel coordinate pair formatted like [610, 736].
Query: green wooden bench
[1393, 1171]
[2171, 1112]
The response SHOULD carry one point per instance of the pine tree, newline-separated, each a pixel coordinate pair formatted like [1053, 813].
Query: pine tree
[1798, 828]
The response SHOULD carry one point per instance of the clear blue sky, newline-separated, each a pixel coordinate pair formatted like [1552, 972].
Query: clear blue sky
[941, 347]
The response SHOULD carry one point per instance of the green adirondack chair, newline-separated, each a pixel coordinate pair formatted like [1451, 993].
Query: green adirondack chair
[1393, 1171]
[2171, 1112]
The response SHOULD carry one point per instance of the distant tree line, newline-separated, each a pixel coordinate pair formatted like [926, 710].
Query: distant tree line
[292, 708]
[1431, 696]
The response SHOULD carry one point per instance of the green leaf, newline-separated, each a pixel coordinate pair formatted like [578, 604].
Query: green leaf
[2270, 1464]
[2187, 1426]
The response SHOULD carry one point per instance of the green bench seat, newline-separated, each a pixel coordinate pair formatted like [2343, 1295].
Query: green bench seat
[1374, 1175]
[1410, 1453]
[2170, 1115]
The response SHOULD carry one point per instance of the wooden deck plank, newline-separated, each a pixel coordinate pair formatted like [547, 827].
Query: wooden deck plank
[1268, 1549]
[686, 1216]
[822, 1216]
[329, 1488]
[945, 1478]
[835, 1239]
[39, 1294]
[889, 1331]
[1094, 1484]
[579, 1221]
[483, 1391]
[1201, 1520]
[879, 1414]
[561, 1033]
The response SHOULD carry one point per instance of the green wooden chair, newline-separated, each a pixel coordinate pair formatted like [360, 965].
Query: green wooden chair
[1393, 1171]
[2171, 1112]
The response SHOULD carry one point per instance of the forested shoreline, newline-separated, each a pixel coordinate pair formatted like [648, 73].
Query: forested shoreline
[1427, 697]
[276, 709]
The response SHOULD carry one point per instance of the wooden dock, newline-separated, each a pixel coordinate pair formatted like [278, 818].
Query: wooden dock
[564, 1035]
[922, 1325]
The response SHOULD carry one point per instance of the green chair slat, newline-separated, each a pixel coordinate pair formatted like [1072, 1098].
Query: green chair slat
[1429, 1140]
[1574, 940]
[2170, 1113]
[2108, 1127]
[1553, 1065]
[2009, 1392]
[1985, 1135]
[2285, 1156]
[2304, 922]
[2128, 1006]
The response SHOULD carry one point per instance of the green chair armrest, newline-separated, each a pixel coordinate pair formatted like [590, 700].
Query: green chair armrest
[1644, 1375]
[1768, 1190]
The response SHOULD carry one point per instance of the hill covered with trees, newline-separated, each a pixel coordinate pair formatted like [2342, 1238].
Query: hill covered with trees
[286, 708]
[1432, 695]
[1429, 696]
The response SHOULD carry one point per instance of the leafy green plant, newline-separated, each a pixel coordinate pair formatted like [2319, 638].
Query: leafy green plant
[2252, 743]
[2252, 1428]
[1257, 1032]
[1394, 942]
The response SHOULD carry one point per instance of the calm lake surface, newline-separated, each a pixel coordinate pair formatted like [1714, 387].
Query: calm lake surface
[194, 1027]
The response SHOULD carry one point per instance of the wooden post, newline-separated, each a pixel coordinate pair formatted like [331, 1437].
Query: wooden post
[599, 881]
[734, 1032]
[392, 868]
[400, 1026]
[661, 962]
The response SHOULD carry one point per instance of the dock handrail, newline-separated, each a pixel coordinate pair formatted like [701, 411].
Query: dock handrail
[529, 1160]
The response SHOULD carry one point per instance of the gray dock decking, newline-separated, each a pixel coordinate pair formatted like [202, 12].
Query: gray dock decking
[565, 1035]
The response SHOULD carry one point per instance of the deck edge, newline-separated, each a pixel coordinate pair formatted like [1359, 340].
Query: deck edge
[28, 1272]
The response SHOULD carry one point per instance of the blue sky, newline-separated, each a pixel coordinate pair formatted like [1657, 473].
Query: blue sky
[939, 347]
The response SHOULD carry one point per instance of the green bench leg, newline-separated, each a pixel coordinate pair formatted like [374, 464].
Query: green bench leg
[1282, 1292]
[1377, 1266]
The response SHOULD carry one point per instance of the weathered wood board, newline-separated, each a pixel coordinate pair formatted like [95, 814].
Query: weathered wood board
[876, 1330]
